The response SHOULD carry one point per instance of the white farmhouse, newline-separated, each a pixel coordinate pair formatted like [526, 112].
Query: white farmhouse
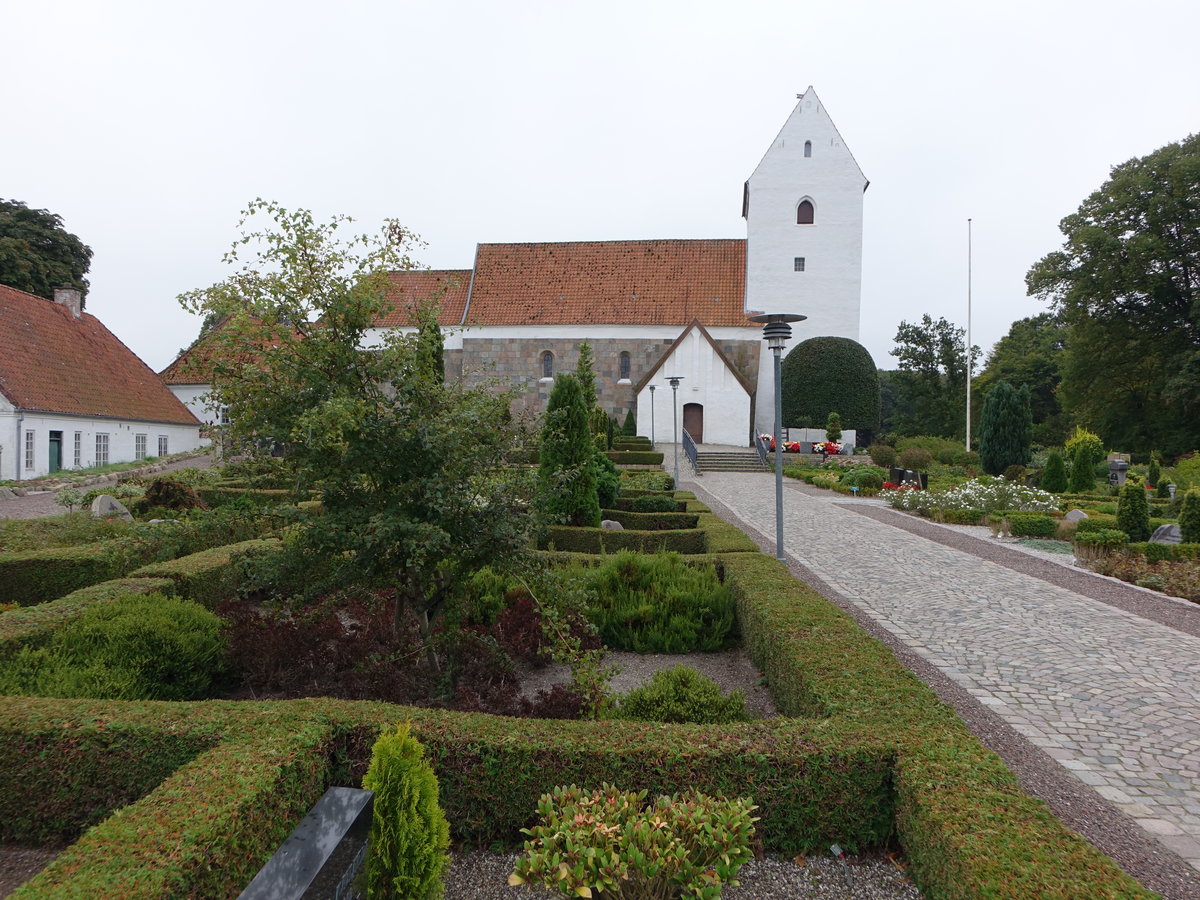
[73, 396]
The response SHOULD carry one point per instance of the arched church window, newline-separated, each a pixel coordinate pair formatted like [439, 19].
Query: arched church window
[804, 213]
[547, 364]
[623, 366]
[807, 149]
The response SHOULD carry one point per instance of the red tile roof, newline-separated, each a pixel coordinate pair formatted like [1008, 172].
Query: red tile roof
[411, 287]
[51, 361]
[666, 282]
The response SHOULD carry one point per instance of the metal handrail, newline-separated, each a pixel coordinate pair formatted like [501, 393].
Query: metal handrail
[761, 446]
[689, 447]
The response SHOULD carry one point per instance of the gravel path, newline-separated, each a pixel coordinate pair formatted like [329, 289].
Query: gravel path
[1084, 685]
[39, 504]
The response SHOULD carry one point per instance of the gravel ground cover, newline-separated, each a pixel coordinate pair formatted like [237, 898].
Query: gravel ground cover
[1080, 808]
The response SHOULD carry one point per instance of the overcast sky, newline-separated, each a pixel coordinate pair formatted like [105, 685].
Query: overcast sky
[149, 126]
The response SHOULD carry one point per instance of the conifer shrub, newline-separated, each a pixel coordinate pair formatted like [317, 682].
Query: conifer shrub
[1133, 511]
[629, 429]
[810, 394]
[1083, 478]
[608, 479]
[657, 603]
[833, 427]
[681, 695]
[410, 836]
[1189, 517]
[135, 647]
[1089, 442]
[1005, 429]
[614, 844]
[567, 491]
[1054, 476]
[1153, 473]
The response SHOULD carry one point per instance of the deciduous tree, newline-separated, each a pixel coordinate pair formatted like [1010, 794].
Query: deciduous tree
[38, 254]
[1030, 355]
[1127, 284]
[933, 373]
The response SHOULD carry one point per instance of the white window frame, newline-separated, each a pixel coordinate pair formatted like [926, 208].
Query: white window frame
[163, 445]
[102, 446]
[30, 448]
[78, 450]
[139, 446]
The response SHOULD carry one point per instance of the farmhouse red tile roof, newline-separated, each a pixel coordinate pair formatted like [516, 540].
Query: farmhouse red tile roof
[411, 287]
[51, 361]
[663, 282]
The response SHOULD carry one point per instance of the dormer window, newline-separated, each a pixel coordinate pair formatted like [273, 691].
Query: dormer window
[804, 213]
[807, 149]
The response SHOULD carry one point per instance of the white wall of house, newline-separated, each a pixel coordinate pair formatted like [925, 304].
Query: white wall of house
[25, 438]
[195, 398]
[807, 161]
[706, 381]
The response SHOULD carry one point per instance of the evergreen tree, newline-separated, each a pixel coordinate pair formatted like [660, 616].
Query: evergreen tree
[1154, 475]
[1133, 511]
[566, 471]
[1054, 477]
[585, 371]
[1189, 517]
[833, 427]
[1083, 478]
[1005, 429]
[629, 429]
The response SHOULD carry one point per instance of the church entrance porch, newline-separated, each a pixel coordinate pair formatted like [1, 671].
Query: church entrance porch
[693, 421]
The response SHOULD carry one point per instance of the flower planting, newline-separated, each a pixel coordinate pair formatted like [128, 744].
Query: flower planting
[987, 494]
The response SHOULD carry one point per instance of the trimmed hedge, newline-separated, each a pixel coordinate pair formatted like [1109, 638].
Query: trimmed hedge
[960, 516]
[221, 494]
[1155, 552]
[651, 521]
[598, 540]
[625, 502]
[36, 576]
[632, 443]
[32, 624]
[723, 537]
[207, 577]
[635, 457]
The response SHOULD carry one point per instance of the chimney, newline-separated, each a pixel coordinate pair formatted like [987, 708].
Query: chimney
[70, 298]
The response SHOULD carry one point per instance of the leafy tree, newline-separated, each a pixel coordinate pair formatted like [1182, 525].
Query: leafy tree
[1004, 429]
[1089, 441]
[1030, 355]
[1054, 476]
[1133, 511]
[566, 467]
[827, 374]
[37, 254]
[1083, 478]
[933, 372]
[410, 469]
[431, 348]
[1125, 283]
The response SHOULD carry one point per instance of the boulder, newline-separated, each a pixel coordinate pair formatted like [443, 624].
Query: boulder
[1167, 534]
[6, 494]
[1075, 515]
[108, 507]
[611, 525]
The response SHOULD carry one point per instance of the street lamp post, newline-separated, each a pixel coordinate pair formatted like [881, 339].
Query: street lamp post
[651, 415]
[674, 380]
[776, 331]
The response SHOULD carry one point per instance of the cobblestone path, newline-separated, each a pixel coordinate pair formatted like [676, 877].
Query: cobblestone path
[1112, 697]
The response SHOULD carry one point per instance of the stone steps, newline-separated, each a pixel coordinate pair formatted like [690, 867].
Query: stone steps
[728, 461]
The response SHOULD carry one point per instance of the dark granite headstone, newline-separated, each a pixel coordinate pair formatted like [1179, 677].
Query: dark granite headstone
[323, 855]
[1167, 534]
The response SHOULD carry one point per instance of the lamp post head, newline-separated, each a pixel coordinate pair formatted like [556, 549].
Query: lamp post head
[652, 387]
[777, 327]
[674, 380]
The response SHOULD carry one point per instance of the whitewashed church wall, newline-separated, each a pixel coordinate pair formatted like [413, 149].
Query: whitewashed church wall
[195, 398]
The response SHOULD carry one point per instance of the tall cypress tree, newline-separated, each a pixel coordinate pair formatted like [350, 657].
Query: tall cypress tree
[566, 475]
[1004, 429]
[1054, 477]
[1133, 511]
[1083, 478]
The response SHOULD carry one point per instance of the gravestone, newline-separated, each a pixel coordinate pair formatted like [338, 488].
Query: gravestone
[612, 525]
[323, 855]
[1167, 534]
[107, 507]
[1075, 515]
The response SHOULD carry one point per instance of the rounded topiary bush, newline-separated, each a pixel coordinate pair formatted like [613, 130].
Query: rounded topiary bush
[1054, 476]
[830, 374]
[916, 459]
[883, 455]
[682, 695]
[654, 503]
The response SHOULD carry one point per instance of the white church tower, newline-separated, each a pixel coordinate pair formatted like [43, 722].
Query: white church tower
[803, 207]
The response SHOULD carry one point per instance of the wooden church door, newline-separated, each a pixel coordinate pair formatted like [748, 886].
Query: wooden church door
[693, 421]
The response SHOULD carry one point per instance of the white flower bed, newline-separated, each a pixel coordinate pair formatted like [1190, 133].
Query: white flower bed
[985, 493]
